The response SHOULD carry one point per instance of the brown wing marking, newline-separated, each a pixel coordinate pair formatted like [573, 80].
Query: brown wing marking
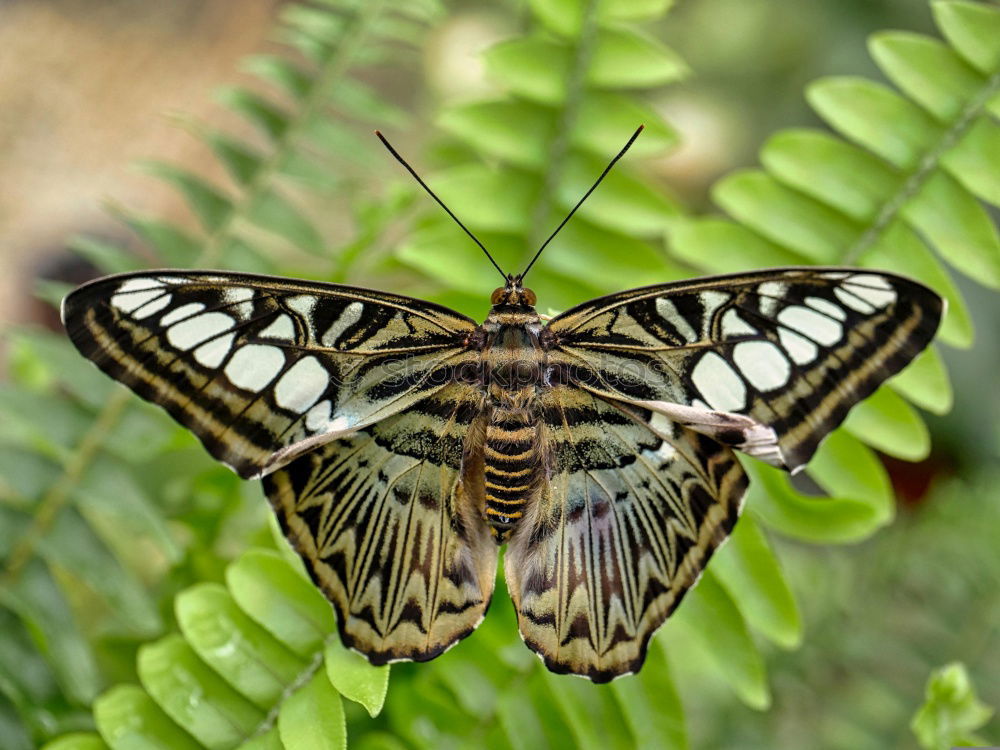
[389, 522]
[631, 512]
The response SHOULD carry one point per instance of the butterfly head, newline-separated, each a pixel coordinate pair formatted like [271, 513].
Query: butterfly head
[513, 294]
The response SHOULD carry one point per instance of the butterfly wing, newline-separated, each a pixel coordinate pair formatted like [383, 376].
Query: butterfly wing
[262, 369]
[389, 522]
[633, 506]
[769, 362]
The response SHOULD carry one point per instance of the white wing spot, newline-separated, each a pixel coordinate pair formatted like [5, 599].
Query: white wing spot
[763, 364]
[281, 328]
[213, 353]
[721, 386]
[350, 316]
[668, 311]
[734, 325]
[135, 293]
[179, 313]
[239, 299]
[151, 308]
[192, 331]
[770, 293]
[874, 289]
[318, 417]
[800, 349]
[826, 307]
[302, 385]
[853, 301]
[812, 324]
[304, 304]
[253, 366]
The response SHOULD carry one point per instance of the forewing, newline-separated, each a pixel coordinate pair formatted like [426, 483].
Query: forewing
[260, 368]
[389, 522]
[769, 362]
[632, 509]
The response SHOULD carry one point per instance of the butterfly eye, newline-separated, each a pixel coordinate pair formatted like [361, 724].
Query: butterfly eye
[498, 294]
[529, 297]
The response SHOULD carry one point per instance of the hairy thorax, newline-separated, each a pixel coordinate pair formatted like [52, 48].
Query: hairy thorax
[513, 363]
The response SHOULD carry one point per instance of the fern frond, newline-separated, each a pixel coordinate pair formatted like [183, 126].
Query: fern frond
[901, 188]
[100, 513]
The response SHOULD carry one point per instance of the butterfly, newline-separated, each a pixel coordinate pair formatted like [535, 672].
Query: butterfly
[401, 443]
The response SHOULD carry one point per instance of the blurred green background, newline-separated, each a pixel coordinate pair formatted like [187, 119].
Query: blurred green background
[92, 493]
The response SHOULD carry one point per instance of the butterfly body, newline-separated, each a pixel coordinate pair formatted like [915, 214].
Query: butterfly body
[400, 442]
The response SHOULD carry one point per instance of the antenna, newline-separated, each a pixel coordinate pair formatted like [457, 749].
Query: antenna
[585, 196]
[430, 192]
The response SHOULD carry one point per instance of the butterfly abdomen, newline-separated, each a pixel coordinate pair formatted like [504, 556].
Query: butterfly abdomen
[511, 454]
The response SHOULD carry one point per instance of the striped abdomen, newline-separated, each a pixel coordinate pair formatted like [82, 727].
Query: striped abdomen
[511, 469]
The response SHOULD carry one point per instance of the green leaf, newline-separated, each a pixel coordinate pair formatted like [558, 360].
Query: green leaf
[605, 120]
[886, 422]
[975, 160]
[951, 710]
[194, 695]
[566, 16]
[279, 599]
[281, 72]
[583, 251]
[241, 162]
[625, 59]
[651, 705]
[822, 520]
[973, 29]
[128, 719]
[845, 467]
[785, 217]
[273, 212]
[748, 569]
[876, 117]
[108, 256]
[486, 198]
[842, 176]
[711, 616]
[72, 545]
[261, 113]
[313, 717]
[925, 382]
[36, 599]
[589, 712]
[958, 226]
[623, 203]
[516, 131]
[174, 246]
[928, 71]
[240, 650]
[354, 678]
[210, 206]
[532, 67]
[723, 246]
[77, 741]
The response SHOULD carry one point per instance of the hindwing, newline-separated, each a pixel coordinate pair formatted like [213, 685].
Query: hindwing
[769, 361]
[262, 369]
[389, 522]
[632, 509]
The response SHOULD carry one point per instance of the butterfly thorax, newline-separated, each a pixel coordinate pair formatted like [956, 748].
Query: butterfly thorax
[512, 367]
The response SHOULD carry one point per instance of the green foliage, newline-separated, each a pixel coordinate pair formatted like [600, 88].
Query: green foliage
[100, 526]
[902, 190]
[952, 712]
[112, 544]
